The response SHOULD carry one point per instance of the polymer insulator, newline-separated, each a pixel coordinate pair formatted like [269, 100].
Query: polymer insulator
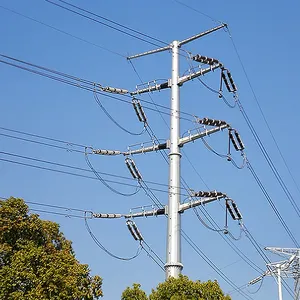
[114, 90]
[106, 152]
[211, 122]
[233, 141]
[234, 89]
[226, 82]
[238, 214]
[242, 146]
[130, 169]
[107, 216]
[137, 232]
[129, 226]
[230, 211]
[208, 194]
[134, 103]
[199, 194]
[138, 174]
[205, 59]
[142, 113]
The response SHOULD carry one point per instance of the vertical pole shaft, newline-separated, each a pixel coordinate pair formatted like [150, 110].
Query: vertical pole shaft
[173, 264]
[297, 278]
[279, 283]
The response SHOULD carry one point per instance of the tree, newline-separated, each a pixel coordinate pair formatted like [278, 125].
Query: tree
[134, 293]
[179, 289]
[37, 261]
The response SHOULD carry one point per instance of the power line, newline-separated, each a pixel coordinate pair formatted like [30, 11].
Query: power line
[104, 182]
[40, 143]
[269, 199]
[246, 259]
[213, 265]
[102, 23]
[264, 257]
[102, 247]
[114, 121]
[63, 32]
[261, 111]
[74, 168]
[68, 143]
[274, 170]
[113, 22]
[68, 215]
[198, 11]
[44, 137]
[81, 83]
[269, 160]
[187, 188]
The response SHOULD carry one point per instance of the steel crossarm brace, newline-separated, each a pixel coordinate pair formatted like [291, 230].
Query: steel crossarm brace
[188, 205]
[280, 251]
[148, 149]
[148, 213]
[201, 134]
[199, 35]
[201, 72]
[257, 279]
[149, 52]
[152, 88]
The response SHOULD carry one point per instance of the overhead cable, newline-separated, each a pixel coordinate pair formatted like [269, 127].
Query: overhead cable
[102, 247]
[104, 182]
[86, 16]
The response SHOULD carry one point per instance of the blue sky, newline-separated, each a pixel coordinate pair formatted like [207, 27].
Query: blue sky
[267, 39]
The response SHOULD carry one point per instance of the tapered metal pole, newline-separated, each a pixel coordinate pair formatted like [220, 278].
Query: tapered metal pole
[279, 282]
[173, 264]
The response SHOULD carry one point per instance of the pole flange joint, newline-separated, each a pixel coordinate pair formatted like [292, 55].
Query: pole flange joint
[173, 264]
[175, 153]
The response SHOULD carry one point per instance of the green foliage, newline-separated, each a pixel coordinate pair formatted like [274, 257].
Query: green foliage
[178, 289]
[37, 262]
[134, 293]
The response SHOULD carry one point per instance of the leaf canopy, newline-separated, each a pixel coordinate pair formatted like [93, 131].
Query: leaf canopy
[37, 261]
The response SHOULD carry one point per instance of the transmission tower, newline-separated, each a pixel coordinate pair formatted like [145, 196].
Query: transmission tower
[174, 209]
[289, 268]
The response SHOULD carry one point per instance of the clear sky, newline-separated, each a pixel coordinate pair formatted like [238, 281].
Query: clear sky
[267, 39]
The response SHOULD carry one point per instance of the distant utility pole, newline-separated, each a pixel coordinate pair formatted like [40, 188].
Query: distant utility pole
[175, 208]
[289, 268]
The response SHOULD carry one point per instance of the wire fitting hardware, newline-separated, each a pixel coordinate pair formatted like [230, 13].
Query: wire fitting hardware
[133, 169]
